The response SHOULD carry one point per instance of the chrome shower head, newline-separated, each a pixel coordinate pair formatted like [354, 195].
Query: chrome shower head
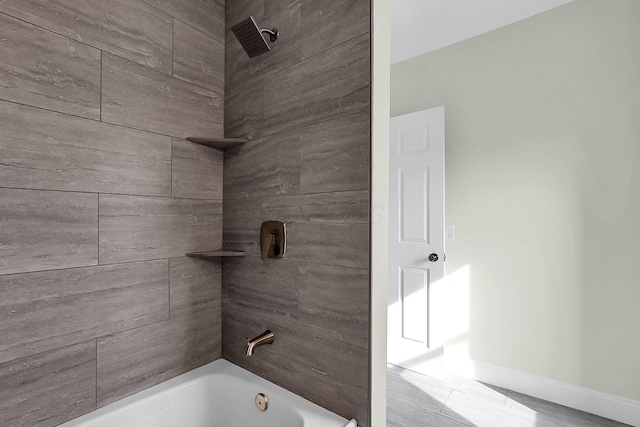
[251, 38]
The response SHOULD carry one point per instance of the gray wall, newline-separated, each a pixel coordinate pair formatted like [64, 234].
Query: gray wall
[542, 186]
[306, 107]
[100, 197]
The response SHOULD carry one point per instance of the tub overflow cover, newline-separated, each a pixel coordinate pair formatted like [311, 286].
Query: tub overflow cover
[261, 402]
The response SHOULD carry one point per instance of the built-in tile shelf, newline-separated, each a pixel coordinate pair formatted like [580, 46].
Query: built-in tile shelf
[218, 143]
[214, 254]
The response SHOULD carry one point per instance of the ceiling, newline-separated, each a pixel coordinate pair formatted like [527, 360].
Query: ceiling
[421, 26]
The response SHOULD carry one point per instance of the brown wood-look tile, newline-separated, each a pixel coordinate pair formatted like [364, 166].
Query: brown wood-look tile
[349, 207]
[52, 151]
[47, 310]
[196, 171]
[204, 15]
[268, 289]
[336, 155]
[334, 302]
[242, 222]
[50, 388]
[131, 29]
[141, 98]
[46, 230]
[139, 358]
[243, 111]
[328, 23]
[137, 228]
[197, 58]
[43, 69]
[285, 52]
[263, 167]
[196, 285]
[331, 374]
[345, 245]
[240, 326]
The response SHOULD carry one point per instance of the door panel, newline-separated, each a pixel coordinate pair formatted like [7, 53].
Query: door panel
[416, 216]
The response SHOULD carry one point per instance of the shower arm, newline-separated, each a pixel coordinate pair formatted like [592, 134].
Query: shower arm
[273, 34]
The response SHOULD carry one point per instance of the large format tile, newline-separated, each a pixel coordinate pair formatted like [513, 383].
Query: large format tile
[242, 222]
[141, 98]
[204, 15]
[284, 100]
[268, 289]
[137, 359]
[46, 70]
[195, 285]
[484, 412]
[197, 58]
[328, 23]
[263, 167]
[196, 171]
[52, 151]
[425, 391]
[336, 155]
[137, 228]
[243, 111]
[334, 302]
[344, 245]
[402, 412]
[327, 372]
[350, 207]
[130, 29]
[327, 86]
[559, 413]
[47, 310]
[45, 230]
[49, 388]
[336, 82]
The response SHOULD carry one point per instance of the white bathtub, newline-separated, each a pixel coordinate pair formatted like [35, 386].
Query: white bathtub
[219, 394]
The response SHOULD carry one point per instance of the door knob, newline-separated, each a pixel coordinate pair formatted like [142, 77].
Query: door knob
[433, 257]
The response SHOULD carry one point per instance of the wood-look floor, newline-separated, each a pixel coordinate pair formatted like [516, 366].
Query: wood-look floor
[415, 400]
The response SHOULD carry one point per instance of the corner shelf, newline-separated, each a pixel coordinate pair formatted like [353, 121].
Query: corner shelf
[218, 143]
[214, 254]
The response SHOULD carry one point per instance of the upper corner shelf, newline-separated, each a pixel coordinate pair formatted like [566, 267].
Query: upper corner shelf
[214, 254]
[218, 143]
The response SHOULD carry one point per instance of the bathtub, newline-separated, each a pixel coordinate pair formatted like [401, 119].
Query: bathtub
[219, 394]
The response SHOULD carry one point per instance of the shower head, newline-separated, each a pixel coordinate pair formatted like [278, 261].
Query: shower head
[251, 38]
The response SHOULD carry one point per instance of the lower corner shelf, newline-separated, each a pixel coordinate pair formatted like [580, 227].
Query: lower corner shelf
[214, 254]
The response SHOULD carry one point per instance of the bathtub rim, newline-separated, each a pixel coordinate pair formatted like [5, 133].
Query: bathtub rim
[311, 413]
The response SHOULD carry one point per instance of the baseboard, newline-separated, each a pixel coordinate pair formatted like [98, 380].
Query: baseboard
[605, 405]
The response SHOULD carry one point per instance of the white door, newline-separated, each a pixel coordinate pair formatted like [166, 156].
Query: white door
[416, 236]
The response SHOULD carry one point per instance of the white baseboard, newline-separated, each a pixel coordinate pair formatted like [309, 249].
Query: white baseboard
[605, 405]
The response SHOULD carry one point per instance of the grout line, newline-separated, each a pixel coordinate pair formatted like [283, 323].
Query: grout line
[445, 402]
[96, 373]
[277, 71]
[169, 286]
[53, 270]
[98, 228]
[101, 85]
[173, 54]
[111, 194]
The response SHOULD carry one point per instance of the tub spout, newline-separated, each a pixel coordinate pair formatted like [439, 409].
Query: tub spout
[266, 337]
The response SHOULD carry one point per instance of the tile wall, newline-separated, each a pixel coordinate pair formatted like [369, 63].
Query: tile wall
[100, 196]
[306, 107]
